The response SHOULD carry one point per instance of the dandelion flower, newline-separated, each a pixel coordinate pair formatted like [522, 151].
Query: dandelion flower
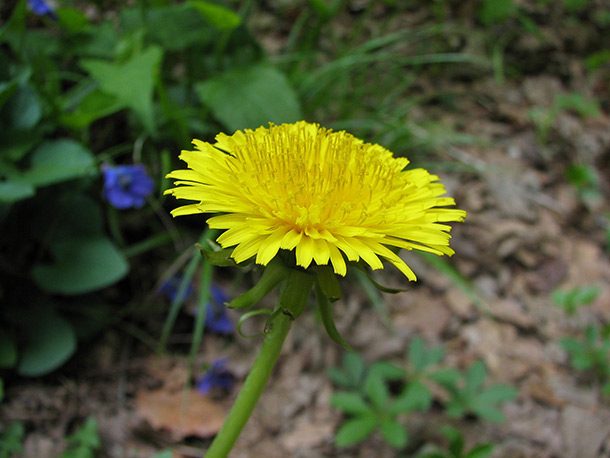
[325, 195]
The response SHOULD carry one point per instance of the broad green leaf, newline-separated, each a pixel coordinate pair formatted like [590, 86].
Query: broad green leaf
[250, 97]
[93, 106]
[349, 402]
[14, 190]
[219, 16]
[59, 160]
[22, 109]
[50, 342]
[173, 27]
[8, 350]
[131, 82]
[82, 265]
[394, 433]
[355, 430]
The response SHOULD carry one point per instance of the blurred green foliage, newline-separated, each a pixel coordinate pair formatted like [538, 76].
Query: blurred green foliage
[571, 300]
[83, 442]
[590, 353]
[379, 396]
[456, 447]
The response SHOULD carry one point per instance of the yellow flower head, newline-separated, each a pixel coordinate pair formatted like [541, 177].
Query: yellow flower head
[325, 194]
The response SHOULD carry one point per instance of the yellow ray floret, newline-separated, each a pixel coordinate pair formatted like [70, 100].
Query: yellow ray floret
[326, 195]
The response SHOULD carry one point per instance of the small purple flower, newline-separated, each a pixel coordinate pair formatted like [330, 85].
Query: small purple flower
[170, 288]
[216, 377]
[41, 8]
[216, 319]
[126, 186]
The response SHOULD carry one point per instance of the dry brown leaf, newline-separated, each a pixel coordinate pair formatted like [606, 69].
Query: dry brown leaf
[584, 431]
[180, 413]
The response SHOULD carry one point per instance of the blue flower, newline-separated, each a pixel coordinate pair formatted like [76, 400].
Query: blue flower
[216, 377]
[126, 186]
[216, 319]
[41, 8]
[170, 287]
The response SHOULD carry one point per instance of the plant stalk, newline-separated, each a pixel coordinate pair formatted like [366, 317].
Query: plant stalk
[277, 330]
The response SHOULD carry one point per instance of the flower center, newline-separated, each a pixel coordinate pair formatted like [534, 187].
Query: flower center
[313, 180]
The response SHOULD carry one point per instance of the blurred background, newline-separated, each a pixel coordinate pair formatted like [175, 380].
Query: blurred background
[114, 338]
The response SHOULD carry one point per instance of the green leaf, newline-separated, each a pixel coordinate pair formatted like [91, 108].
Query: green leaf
[455, 439]
[377, 391]
[582, 176]
[598, 59]
[219, 16]
[174, 27]
[496, 11]
[354, 366]
[93, 106]
[58, 160]
[11, 440]
[250, 97]
[394, 433]
[131, 82]
[7, 88]
[50, 342]
[480, 451]
[497, 393]
[84, 442]
[447, 377]
[23, 109]
[355, 430]
[581, 105]
[475, 376]
[415, 396]
[387, 371]
[420, 357]
[349, 402]
[571, 300]
[8, 350]
[488, 412]
[14, 190]
[72, 19]
[82, 265]
[575, 5]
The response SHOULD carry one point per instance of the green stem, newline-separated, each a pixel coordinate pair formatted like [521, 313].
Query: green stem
[277, 331]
